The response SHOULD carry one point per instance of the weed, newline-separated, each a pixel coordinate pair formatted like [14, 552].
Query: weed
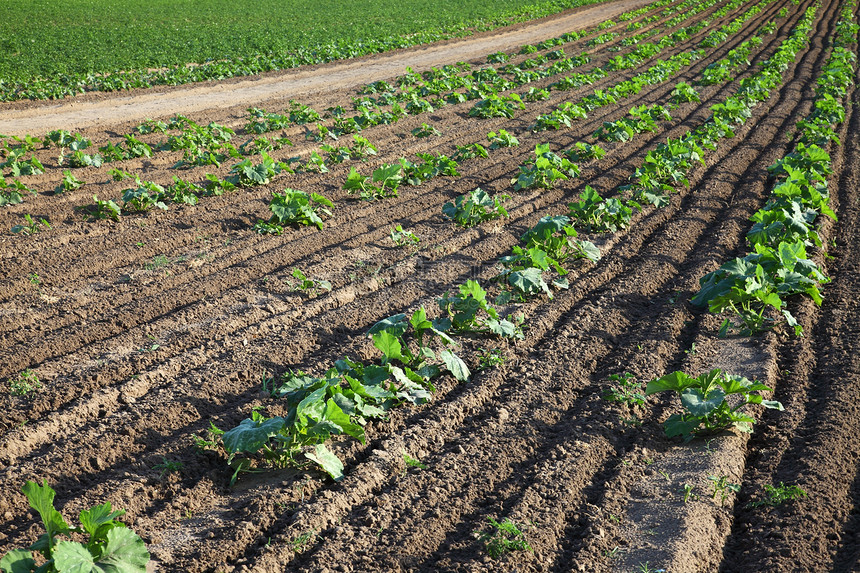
[490, 358]
[624, 390]
[504, 538]
[157, 262]
[402, 238]
[777, 495]
[167, 466]
[306, 284]
[25, 383]
[723, 487]
[299, 543]
[412, 462]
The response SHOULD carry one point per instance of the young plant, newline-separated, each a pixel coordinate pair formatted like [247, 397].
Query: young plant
[502, 139]
[305, 284]
[777, 495]
[25, 383]
[143, 197]
[684, 92]
[722, 486]
[249, 174]
[503, 538]
[104, 209]
[402, 238]
[544, 170]
[294, 207]
[110, 545]
[497, 106]
[69, 183]
[466, 313]
[624, 390]
[704, 399]
[32, 226]
[583, 152]
[426, 130]
[475, 207]
[383, 183]
[600, 215]
[490, 358]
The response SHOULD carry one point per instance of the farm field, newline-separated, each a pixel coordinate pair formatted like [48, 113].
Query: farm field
[211, 302]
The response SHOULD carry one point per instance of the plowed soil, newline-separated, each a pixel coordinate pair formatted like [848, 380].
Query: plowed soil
[146, 330]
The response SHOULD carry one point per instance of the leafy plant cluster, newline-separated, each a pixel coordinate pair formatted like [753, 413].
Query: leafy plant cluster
[475, 207]
[413, 352]
[544, 247]
[293, 207]
[109, 546]
[707, 407]
[779, 266]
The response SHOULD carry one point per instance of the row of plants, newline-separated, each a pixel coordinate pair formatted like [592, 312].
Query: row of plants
[68, 84]
[778, 266]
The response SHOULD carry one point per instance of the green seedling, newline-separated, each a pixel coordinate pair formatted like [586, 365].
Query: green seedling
[704, 399]
[402, 238]
[490, 358]
[687, 490]
[412, 462]
[777, 495]
[475, 207]
[168, 466]
[31, 226]
[25, 383]
[504, 538]
[625, 390]
[299, 543]
[305, 284]
[426, 130]
[723, 487]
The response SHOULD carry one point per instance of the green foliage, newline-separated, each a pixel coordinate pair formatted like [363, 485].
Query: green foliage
[425, 130]
[583, 152]
[110, 545]
[475, 207]
[597, 214]
[143, 197]
[293, 207]
[777, 495]
[250, 174]
[704, 399]
[69, 183]
[503, 538]
[104, 209]
[25, 383]
[470, 311]
[383, 182]
[31, 226]
[501, 139]
[305, 284]
[624, 390]
[497, 106]
[402, 238]
[542, 172]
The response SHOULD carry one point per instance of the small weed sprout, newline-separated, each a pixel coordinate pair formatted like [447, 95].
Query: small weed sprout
[305, 284]
[504, 538]
[624, 390]
[25, 383]
[412, 462]
[723, 487]
[490, 358]
[778, 494]
[299, 543]
[167, 466]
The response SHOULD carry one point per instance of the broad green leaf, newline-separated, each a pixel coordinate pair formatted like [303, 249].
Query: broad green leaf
[72, 557]
[677, 381]
[773, 405]
[17, 561]
[589, 250]
[334, 413]
[125, 552]
[676, 425]
[455, 365]
[389, 345]
[529, 281]
[329, 462]
[249, 435]
[699, 404]
[92, 519]
[396, 325]
[42, 500]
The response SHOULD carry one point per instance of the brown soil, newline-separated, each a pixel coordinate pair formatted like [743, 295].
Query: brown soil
[146, 330]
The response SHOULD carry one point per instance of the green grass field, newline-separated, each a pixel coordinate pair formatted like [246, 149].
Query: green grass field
[42, 38]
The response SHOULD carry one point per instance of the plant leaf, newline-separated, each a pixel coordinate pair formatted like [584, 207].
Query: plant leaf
[329, 462]
[249, 435]
[455, 365]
